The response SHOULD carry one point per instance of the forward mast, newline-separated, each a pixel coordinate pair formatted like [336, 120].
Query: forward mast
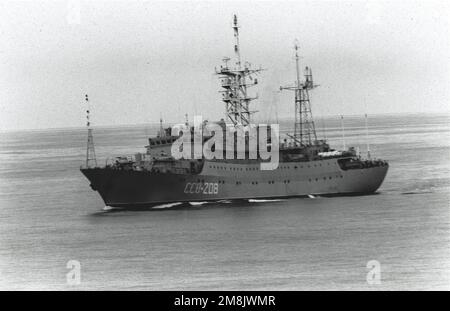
[91, 160]
[235, 81]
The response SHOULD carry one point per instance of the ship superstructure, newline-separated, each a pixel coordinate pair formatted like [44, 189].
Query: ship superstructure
[307, 166]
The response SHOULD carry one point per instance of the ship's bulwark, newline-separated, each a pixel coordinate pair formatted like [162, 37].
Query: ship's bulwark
[221, 180]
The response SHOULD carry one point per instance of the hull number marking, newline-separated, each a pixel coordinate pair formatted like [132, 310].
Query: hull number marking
[204, 188]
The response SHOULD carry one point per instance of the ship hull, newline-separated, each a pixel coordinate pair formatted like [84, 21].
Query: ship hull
[228, 181]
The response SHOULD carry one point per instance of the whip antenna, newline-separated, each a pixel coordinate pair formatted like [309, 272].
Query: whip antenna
[343, 132]
[367, 137]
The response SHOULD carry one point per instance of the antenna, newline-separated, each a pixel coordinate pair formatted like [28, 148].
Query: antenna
[298, 108]
[367, 137]
[297, 62]
[236, 44]
[90, 150]
[161, 128]
[343, 132]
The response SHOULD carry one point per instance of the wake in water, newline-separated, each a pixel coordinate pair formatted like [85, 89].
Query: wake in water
[110, 208]
[168, 205]
[186, 205]
[418, 191]
[224, 201]
[199, 203]
[264, 200]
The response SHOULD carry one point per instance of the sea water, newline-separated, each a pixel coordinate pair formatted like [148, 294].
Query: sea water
[50, 218]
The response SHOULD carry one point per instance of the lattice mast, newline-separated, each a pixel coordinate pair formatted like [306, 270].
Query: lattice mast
[91, 160]
[234, 83]
[304, 129]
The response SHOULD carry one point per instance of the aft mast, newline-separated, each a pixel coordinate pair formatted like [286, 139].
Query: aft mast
[234, 83]
[304, 131]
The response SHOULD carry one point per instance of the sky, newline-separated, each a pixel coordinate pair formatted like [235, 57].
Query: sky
[139, 60]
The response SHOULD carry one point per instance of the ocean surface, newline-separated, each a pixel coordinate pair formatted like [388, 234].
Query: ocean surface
[49, 216]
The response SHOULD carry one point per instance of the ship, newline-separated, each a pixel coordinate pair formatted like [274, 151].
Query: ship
[306, 167]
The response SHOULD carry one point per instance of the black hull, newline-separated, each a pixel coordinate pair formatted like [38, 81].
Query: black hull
[136, 189]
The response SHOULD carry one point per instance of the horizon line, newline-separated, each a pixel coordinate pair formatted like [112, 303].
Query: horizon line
[157, 123]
